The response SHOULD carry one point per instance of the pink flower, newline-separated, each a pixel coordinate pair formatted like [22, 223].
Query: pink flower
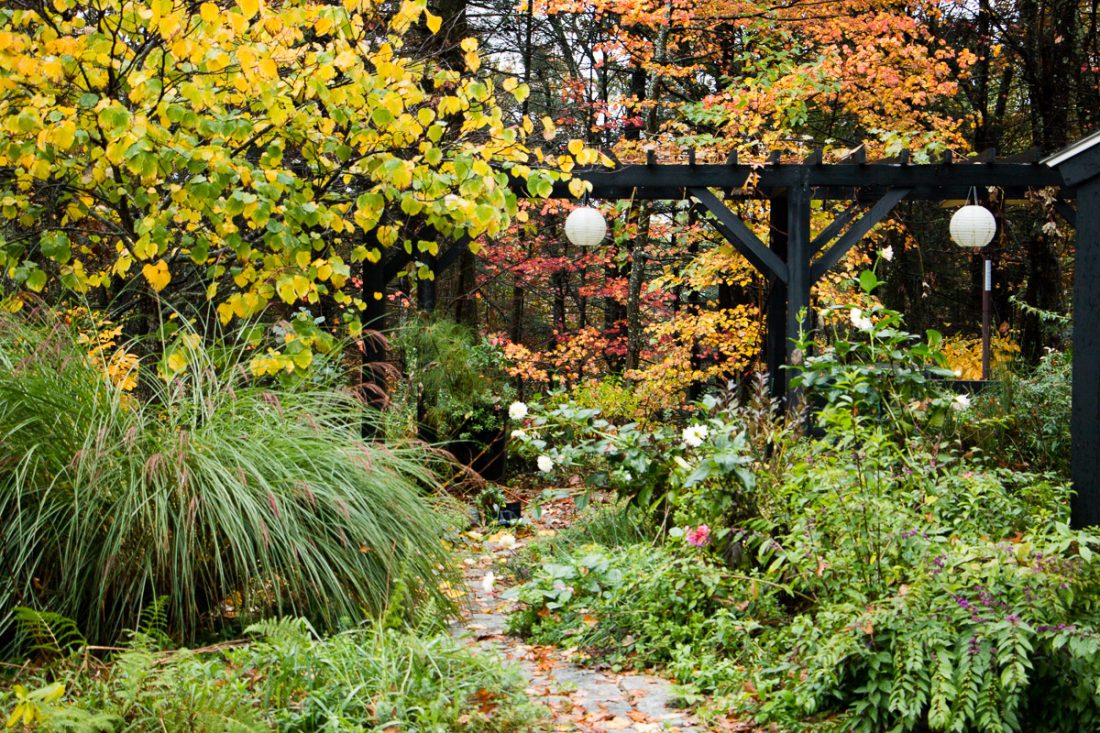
[699, 537]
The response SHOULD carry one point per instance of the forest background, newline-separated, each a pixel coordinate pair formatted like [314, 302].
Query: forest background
[96, 133]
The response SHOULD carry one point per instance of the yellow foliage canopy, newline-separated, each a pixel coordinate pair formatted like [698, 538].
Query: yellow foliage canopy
[259, 151]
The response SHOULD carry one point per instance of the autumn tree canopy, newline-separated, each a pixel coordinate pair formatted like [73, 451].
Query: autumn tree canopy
[248, 153]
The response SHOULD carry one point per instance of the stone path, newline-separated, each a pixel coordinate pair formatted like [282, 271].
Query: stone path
[581, 700]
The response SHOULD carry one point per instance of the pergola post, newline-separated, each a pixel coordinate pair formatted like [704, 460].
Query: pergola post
[775, 346]
[1079, 166]
[1085, 415]
[374, 348]
[426, 289]
[799, 281]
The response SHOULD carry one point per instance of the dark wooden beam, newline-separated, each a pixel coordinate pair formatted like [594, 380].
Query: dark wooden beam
[398, 259]
[426, 292]
[775, 314]
[374, 345]
[1066, 211]
[740, 236]
[452, 253]
[394, 263]
[857, 232]
[836, 181]
[799, 281]
[1085, 411]
[828, 233]
[1031, 155]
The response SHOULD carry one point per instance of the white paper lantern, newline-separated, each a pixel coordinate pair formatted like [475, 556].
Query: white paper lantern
[585, 227]
[973, 226]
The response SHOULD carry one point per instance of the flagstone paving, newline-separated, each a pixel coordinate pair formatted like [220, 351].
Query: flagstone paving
[579, 699]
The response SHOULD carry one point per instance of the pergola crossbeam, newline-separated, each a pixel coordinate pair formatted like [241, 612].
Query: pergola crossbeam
[789, 264]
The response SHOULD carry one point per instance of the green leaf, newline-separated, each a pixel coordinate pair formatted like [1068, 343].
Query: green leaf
[868, 281]
[56, 246]
[381, 117]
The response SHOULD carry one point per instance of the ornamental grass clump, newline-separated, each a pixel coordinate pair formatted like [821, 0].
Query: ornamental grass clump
[233, 500]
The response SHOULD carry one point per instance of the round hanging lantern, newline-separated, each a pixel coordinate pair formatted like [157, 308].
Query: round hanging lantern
[585, 227]
[973, 226]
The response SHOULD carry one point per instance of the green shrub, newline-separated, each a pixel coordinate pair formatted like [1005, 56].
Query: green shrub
[371, 678]
[231, 499]
[460, 382]
[1024, 420]
[615, 400]
[640, 601]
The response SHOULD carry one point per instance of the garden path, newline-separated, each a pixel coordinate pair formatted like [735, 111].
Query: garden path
[579, 699]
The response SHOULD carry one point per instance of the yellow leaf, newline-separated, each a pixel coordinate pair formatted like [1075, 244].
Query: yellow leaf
[548, 128]
[157, 275]
[578, 187]
[209, 13]
[268, 68]
[249, 7]
[303, 359]
[176, 362]
[469, 45]
[434, 22]
[575, 147]
[64, 134]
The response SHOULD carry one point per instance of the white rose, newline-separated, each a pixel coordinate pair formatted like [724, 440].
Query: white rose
[545, 464]
[888, 254]
[517, 410]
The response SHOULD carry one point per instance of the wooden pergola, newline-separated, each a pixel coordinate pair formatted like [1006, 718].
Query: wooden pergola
[794, 258]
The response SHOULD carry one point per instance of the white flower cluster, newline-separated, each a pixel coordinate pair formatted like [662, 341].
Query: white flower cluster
[694, 435]
[517, 410]
[961, 402]
[887, 253]
[860, 321]
[545, 464]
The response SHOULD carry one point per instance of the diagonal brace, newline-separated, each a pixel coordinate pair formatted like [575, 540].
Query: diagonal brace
[730, 226]
[1067, 212]
[827, 234]
[400, 258]
[858, 231]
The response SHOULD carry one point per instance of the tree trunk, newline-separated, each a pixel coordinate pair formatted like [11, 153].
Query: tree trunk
[634, 288]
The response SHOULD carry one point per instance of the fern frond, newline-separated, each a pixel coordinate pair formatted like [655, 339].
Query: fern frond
[50, 633]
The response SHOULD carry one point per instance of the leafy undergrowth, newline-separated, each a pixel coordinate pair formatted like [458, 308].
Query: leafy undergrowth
[370, 679]
[881, 575]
